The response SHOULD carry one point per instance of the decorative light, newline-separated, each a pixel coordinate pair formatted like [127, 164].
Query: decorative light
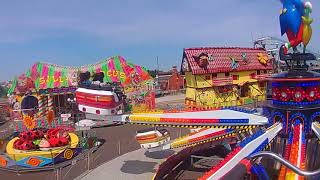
[312, 93]
[285, 94]
[298, 95]
[276, 93]
[304, 84]
[296, 103]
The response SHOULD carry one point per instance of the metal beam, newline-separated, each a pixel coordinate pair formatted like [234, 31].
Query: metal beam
[285, 163]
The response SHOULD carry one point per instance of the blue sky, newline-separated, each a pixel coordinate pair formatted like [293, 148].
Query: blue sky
[82, 32]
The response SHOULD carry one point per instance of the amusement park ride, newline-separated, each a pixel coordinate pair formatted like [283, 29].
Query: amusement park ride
[288, 126]
[291, 118]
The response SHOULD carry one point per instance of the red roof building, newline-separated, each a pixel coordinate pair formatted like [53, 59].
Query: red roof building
[219, 59]
[225, 75]
[170, 82]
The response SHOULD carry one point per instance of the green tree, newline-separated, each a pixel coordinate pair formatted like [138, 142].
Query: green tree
[3, 91]
[152, 73]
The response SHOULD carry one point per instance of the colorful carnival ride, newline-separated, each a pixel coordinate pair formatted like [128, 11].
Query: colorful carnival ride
[40, 147]
[288, 124]
[42, 114]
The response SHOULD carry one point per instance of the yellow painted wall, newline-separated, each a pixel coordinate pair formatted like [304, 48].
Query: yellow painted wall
[201, 90]
[210, 97]
[202, 82]
[190, 93]
[244, 76]
[190, 79]
[255, 90]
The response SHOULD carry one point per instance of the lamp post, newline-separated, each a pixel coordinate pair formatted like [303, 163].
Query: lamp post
[72, 101]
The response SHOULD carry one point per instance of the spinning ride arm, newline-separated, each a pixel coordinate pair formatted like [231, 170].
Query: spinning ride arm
[247, 147]
[201, 136]
[204, 119]
[286, 163]
[295, 152]
[316, 129]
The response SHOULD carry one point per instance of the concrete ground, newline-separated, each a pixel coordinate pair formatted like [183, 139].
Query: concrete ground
[136, 165]
[171, 98]
[171, 101]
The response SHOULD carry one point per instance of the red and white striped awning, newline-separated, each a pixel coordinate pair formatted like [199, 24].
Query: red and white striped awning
[222, 81]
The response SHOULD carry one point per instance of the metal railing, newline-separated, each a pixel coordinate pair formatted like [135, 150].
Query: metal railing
[253, 102]
[85, 159]
[14, 167]
[285, 163]
[256, 103]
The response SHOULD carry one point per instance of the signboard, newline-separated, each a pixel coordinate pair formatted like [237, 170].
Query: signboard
[58, 90]
[65, 117]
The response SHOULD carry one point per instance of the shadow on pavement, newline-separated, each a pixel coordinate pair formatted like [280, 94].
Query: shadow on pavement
[159, 154]
[138, 167]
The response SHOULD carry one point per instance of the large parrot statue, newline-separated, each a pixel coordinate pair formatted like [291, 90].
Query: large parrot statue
[295, 22]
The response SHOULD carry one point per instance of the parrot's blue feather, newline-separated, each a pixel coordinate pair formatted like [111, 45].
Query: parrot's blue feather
[290, 19]
[299, 6]
[283, 25]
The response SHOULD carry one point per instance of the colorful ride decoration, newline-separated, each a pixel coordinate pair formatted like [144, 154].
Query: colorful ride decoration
[141, 97]
[50, 116]
[51, 76]
[41, 147]
[298, 93]
[202, 60]
[19, 126]
[263, 58]
[6, 162]
[295, 22]
[3, 162]
[29, 121]
[44, 81]
[42, 106]
[67, 154]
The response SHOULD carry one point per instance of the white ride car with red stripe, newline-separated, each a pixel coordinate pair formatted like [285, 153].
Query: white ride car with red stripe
[99, 102]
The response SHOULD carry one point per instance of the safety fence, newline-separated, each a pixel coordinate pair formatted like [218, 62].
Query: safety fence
[175, 164]
[256, 102]
[170, 92]
[253, 102]
[117, 140]
[56, 171]
[14, 162]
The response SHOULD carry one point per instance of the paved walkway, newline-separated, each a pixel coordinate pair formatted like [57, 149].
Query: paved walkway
[136, 165]
[170, 98]
[171, 101]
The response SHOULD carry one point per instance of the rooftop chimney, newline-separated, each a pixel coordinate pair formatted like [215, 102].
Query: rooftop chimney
[174, 69]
